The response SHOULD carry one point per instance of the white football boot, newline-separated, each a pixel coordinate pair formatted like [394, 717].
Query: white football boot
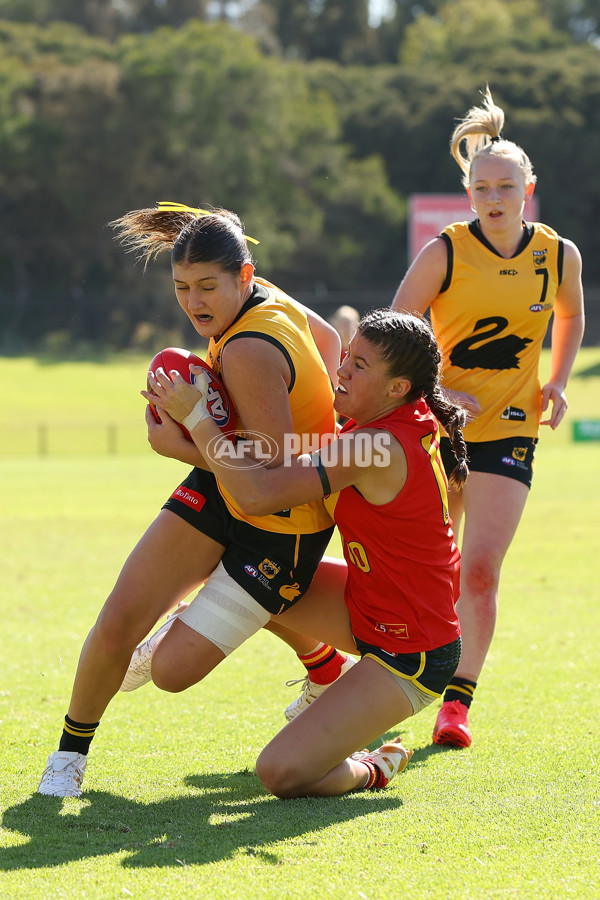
[140, 666]
[310, 691]
[63, 774]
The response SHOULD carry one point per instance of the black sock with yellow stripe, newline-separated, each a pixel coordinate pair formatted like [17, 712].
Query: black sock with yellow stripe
[77, 736]
[460, 689]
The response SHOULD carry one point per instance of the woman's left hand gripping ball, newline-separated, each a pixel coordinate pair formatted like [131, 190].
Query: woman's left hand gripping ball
[173, 394]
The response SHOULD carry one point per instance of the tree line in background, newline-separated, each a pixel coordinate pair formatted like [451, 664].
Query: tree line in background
[312, 124]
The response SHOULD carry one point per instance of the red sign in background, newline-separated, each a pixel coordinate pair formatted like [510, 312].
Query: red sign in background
[428, 214]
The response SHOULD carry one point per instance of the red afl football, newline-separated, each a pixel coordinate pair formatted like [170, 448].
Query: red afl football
[217, 399]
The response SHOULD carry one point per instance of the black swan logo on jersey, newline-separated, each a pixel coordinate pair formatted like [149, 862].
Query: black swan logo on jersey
[501, 353]
[539, 257]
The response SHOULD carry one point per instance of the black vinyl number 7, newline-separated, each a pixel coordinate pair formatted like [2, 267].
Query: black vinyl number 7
[543, 272]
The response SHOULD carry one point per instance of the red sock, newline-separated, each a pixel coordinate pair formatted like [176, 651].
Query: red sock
[324, 664]
[374, 773]
[376, 777]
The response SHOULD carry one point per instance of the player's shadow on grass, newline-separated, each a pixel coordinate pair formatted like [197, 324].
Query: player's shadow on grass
[422, 754]
[230, 814]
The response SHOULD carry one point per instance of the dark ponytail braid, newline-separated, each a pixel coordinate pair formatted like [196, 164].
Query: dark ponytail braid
[453, 418]
[408, 347]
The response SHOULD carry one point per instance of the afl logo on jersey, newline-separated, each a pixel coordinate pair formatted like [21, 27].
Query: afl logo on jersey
[536, 307]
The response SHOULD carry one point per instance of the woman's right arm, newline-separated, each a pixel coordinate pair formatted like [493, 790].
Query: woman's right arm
[263, 485]
[418, 289]
[424, 279]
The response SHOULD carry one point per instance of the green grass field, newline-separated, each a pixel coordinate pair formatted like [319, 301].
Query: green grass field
[172, 808]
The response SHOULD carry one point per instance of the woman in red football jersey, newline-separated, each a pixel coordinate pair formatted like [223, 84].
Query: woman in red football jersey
[492, 285]
[387, 492]
[270, 353]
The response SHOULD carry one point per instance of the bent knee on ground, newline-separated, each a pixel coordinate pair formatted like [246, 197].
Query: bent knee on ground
[280, 777]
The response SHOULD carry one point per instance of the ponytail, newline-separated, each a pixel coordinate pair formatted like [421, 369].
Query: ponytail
[454, 419]
[191, 235]
[481, 132]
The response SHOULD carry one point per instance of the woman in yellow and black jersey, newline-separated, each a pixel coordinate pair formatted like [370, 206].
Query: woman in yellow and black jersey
[492, 286]
[493, 315]
[264, 346]
[272, 316]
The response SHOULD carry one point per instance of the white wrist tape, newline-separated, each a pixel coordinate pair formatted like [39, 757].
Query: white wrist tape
[198, 414]
[200, 411]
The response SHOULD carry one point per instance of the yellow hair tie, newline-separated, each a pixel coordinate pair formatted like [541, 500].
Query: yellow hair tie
[166, 206]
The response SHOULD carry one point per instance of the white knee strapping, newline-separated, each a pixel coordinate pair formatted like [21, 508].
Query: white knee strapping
[224, 612]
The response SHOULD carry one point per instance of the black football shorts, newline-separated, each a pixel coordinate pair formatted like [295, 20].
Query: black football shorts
[274, 568]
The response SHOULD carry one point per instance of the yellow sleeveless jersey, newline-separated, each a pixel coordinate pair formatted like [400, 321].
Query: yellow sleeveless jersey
[490, 319]
[270, 315]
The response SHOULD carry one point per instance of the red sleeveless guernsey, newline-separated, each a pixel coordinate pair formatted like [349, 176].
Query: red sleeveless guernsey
[403, 563]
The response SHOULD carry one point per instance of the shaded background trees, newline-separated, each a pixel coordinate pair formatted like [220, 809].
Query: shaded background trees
[310, 119]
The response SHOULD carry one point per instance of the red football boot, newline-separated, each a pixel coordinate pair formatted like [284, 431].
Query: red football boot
[452, 725]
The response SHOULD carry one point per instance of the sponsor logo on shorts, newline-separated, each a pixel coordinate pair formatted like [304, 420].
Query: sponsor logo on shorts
[514, 414]
[508, 461]
[250, 570]
[396, 630]
[269, 569]
[191, 498]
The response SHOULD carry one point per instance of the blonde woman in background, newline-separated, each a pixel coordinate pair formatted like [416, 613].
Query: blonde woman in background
[492, 286]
